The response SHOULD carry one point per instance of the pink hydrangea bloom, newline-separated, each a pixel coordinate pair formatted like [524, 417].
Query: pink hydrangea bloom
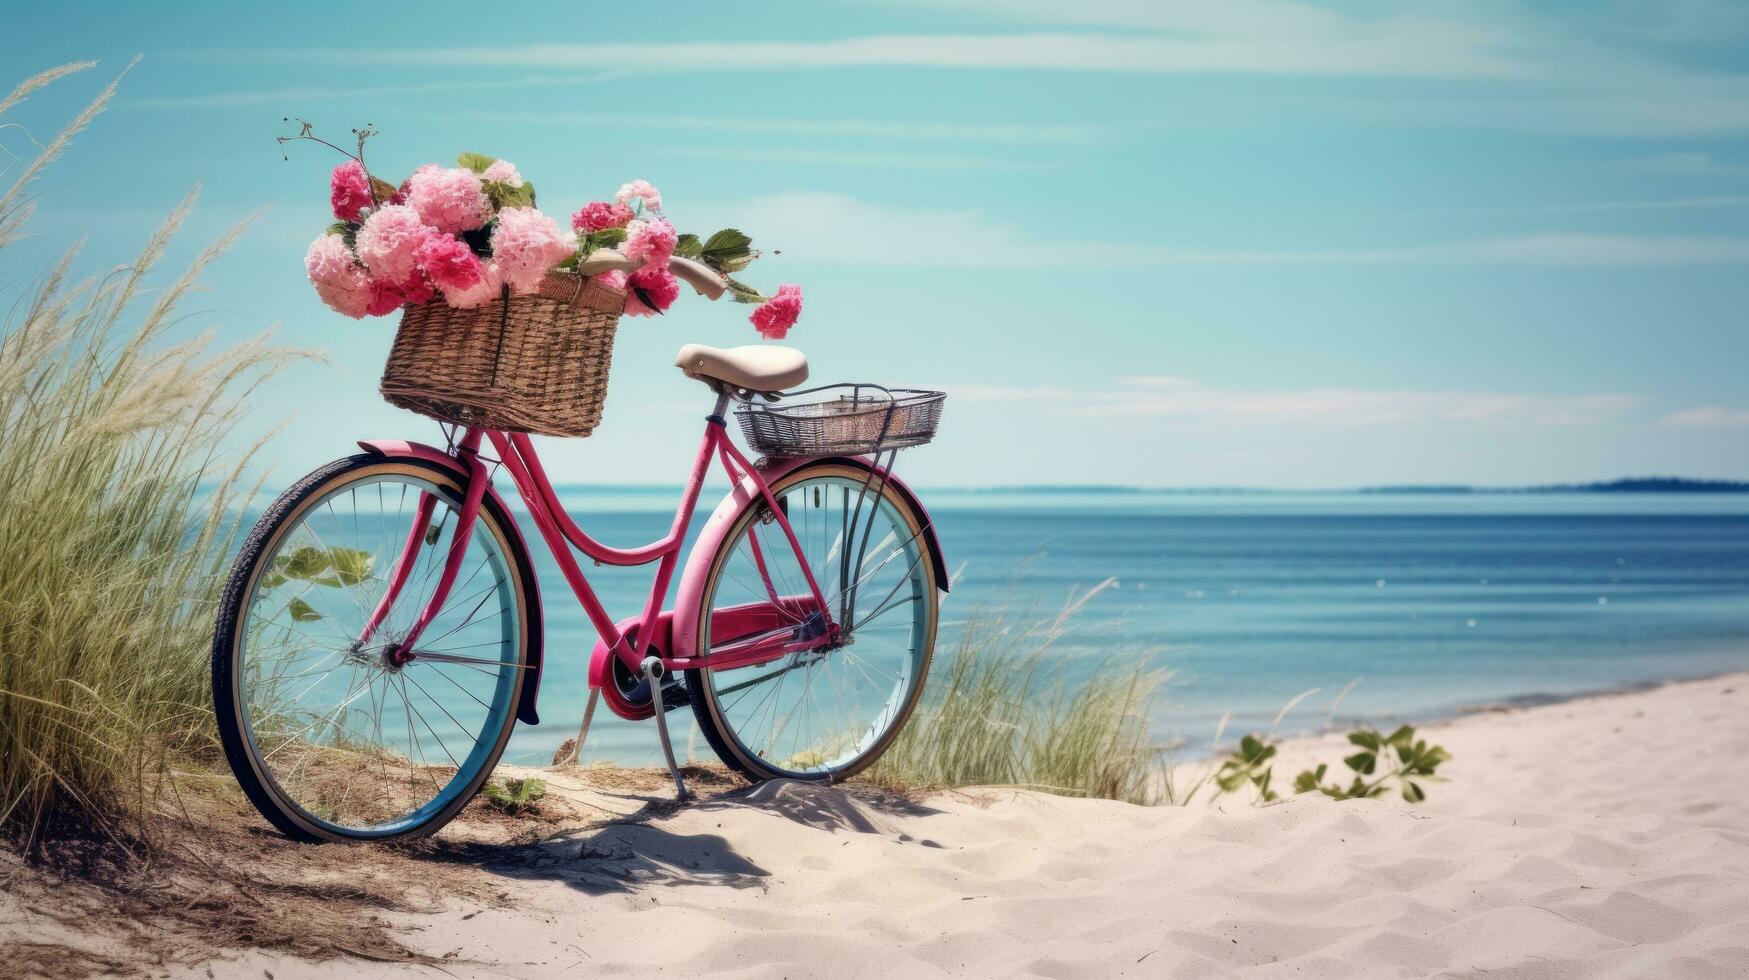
[339, 279]
[526, 245]
[504, 172]
[349, 190]
[651, 242]
[641, 190]
[599, 215]
[389, 241]
[417, 289]
[449, 199]
[489, 288]
[387, 297]
[777, 315]
[655, 281]
[451, 264]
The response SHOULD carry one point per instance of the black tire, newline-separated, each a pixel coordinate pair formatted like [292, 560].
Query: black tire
[227, 707]
[704, 706]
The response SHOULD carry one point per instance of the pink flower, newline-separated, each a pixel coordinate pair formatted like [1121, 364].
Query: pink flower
[451, 264]
[339, 279]
[387, 297]
[526, 245]
[349, 190]
[777, 315]
[641, 190]
[489, 288]
[390, 239]
[655, 282]
[599, 215]
[650, 241]
[450, 200]
[504, 172]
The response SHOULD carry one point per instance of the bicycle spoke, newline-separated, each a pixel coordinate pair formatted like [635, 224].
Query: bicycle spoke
[323, 709]
[819, 710]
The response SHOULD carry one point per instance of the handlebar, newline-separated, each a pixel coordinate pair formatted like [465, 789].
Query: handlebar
[702, 278]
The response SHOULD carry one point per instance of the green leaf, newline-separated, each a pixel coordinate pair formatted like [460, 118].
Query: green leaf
[302, 611]
[514, 794]
[331, 567]
[740, 292]
[1362, 762]
[727, 251]
[477, 162]
[1413, 793]
[605, 238]
[503, 195]
[350, 564]
[1402, 736]
[688, 247]
[347, 231]
[1366, 738]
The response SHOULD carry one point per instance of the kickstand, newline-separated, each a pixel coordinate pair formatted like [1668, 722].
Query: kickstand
[653, 671]
[575, 756]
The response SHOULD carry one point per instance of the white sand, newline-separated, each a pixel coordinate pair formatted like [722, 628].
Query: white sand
[1603, 837]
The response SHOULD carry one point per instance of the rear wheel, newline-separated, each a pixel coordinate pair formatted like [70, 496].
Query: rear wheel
[826, 713]
[334, 739]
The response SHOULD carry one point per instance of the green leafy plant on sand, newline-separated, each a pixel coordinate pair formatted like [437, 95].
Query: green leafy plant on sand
[1248, 764]
[116, 509]
[990, 718]
[1410, 761]
[514, 795]
[1397, 760]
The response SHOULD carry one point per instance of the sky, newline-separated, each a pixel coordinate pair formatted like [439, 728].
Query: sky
[1253, 243]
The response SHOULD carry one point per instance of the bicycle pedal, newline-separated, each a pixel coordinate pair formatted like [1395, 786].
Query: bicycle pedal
[674, 695]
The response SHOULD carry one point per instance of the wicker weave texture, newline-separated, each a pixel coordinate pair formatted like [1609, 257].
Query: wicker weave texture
[534, 363]
[848, 420]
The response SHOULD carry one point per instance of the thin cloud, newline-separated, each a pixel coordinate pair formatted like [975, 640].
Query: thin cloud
[1398, 48]
[1182, 400]
[880, 159]
[869, 129]
[1692, 165]
[836, 229]
[1707, 417]
[304, 94]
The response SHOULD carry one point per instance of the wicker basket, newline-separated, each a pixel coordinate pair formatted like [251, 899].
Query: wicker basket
[848, 419]
[530, 363]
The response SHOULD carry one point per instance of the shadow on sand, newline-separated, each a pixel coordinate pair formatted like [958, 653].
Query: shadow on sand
[630, 853]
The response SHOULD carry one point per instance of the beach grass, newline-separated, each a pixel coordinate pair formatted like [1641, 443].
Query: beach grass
[994, 716]
[117, 507]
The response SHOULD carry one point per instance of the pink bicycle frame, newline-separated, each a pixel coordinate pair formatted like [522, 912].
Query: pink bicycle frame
[758, 623]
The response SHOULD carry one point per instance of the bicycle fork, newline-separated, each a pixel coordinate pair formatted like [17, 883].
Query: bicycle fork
[400, 651]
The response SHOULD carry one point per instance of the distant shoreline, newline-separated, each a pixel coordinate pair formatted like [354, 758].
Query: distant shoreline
[1635, 485]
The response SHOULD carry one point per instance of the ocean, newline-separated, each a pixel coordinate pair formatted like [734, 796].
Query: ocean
[1419, 605]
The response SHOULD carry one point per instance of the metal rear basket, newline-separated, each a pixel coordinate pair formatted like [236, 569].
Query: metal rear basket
[843, 420]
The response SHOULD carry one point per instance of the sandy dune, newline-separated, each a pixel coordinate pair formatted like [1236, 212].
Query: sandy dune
[1603, 837]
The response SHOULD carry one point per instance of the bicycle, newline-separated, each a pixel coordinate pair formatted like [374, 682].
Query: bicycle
[381, 632]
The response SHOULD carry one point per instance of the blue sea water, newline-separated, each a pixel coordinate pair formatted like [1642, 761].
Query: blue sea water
[1425, 603]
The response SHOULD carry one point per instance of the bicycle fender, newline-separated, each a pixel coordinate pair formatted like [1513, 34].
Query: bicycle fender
[400, 449]
[684, 639]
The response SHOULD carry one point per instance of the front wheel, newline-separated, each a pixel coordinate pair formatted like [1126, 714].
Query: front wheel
[824, 713]
[337, 738]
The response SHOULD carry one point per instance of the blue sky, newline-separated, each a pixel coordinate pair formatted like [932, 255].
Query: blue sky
[1254, 242]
